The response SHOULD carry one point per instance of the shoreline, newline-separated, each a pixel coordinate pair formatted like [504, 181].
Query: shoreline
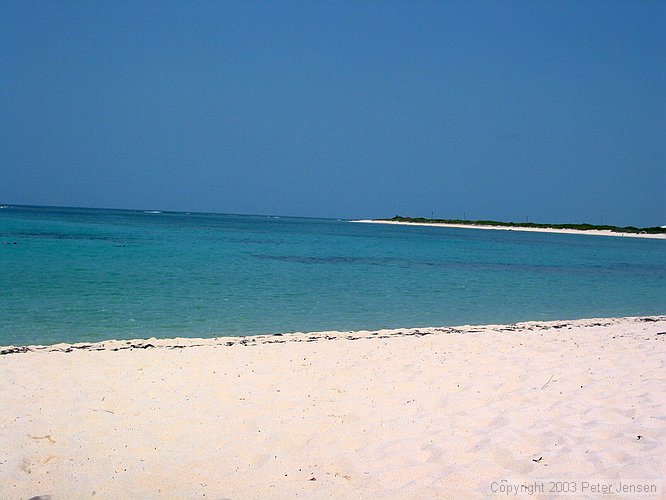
[591, 232]
[314, 336]
[403, 413]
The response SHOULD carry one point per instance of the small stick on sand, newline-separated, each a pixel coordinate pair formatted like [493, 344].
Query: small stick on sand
[551, 378]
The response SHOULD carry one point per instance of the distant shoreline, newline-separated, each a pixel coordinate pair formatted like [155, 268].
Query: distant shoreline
[593, 232]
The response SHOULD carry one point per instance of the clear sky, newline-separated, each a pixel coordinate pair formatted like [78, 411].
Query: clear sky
[552, 110]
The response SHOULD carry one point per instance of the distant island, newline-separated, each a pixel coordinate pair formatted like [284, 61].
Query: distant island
[527, 225]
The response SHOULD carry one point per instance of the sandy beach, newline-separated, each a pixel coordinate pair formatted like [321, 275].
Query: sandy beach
[463, 412]
[592, 232]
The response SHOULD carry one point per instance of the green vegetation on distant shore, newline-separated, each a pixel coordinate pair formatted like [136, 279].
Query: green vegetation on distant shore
[580, 227]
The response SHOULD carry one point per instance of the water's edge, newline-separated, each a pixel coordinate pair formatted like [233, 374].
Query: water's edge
[281, 338]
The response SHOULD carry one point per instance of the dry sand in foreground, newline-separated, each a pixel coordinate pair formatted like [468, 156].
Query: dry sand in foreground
[438, 413]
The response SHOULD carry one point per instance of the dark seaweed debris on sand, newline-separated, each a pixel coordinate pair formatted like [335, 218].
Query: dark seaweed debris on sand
[280, 338]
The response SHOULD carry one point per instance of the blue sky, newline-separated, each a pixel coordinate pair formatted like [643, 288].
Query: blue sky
[505, 110]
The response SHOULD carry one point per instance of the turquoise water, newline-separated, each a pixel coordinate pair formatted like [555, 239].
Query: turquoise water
[88, 275]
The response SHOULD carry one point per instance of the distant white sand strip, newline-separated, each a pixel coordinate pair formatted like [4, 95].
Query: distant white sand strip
[593, 232]
[463, 412]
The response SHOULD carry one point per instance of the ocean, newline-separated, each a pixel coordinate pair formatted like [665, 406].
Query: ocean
[74, 275]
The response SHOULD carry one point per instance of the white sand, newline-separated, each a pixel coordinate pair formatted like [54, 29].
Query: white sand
[518, 228]
[389, 414]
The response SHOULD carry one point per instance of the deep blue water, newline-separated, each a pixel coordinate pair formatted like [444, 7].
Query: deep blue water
[87, 275]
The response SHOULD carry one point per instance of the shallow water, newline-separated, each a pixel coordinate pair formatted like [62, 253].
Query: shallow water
[86, 275]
